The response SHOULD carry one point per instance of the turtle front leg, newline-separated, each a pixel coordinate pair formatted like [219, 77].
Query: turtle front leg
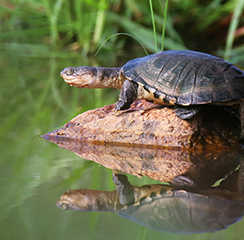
[124, 189]
[127, 95]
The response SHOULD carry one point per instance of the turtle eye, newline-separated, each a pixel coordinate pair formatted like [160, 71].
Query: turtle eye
[70, 71]
[64, 206]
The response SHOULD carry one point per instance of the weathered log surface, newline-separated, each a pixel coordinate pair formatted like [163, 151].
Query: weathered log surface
[147, 126]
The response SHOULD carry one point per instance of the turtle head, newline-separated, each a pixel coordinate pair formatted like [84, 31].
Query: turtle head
[82, 77]
[79, 200]
[86, 200]
[92, 77]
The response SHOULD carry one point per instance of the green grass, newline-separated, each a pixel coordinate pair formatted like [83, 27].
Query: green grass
[37, 39]
[83, 25]
[154, 26]
[238, 10]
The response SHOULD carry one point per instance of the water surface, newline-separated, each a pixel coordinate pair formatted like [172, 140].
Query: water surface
[34, 172]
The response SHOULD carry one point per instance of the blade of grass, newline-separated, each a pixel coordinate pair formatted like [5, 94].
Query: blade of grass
[99, 26]
[117, 34]
[233, 26]
[52, 15]
[169, 27]
[79, 20]
[164, 25]
[154, 26]
[100, 20]
[144, 35]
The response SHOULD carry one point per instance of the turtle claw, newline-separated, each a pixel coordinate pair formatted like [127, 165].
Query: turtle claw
[186, 112]
[116, 109]
[119, 179]
[121, 105]
[115, 173]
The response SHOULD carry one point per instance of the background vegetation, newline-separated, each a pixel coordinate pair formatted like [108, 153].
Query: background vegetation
[38, 38]
[83, 25]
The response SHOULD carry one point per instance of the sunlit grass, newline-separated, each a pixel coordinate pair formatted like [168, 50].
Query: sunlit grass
[164, 25]
[126, 34]
[154, 26]
[53, 14]
[85, 25]
[238, 10]
[38, 39]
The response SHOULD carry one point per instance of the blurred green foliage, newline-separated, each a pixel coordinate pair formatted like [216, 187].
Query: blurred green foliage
[86, 24]
[34, 99]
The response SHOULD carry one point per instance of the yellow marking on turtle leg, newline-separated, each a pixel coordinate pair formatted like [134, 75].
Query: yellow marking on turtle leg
[172, 100]
[158, 194]
[169, 193]
[162, 98]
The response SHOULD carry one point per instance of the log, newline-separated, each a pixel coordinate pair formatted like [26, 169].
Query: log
[148, 140]
[147, 124]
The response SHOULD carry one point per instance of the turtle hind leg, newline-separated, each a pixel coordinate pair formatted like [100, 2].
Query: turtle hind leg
[184, 182]
[186, 112]
[241, 113]
[127, 95]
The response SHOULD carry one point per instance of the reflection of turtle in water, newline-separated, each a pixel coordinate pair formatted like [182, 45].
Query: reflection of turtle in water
[161, 207]
[183, 78]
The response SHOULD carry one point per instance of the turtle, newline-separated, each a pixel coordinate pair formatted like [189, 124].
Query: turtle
[184, 78]
[161, 207]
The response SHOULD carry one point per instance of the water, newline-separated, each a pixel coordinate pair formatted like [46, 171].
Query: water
[34, 172]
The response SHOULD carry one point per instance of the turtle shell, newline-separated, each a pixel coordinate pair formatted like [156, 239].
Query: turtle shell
[186, 77]
[185, 212]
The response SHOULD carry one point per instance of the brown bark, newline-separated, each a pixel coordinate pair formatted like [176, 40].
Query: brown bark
[146, 125]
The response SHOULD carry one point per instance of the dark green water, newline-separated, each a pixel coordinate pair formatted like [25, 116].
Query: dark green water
[34, 172]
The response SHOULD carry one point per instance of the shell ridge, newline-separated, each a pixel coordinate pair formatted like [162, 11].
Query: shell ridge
[180, 77]
[168, 97]
[162, 69]
[227, 80]
[222, 72]
[198, 77]
[184, 72]
[215, 63]
[227, 89]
